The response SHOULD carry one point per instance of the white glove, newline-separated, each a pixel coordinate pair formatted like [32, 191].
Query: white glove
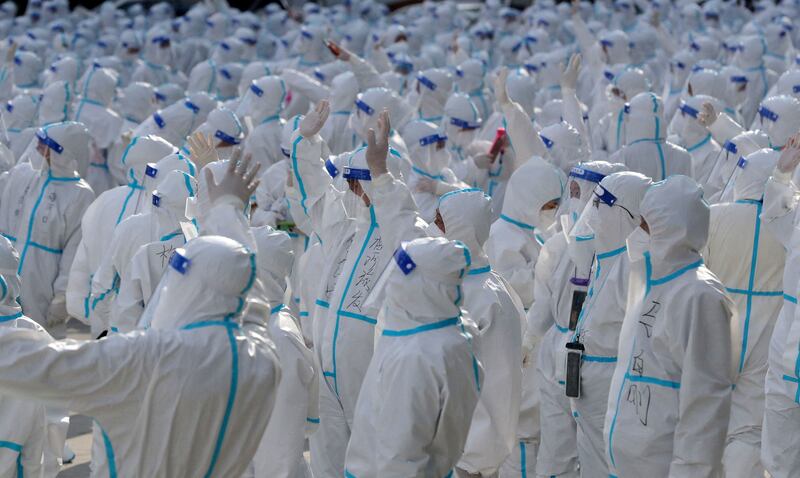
[202, 150]
[569, 78]
[240, 180]
[313, 122]
[500, 92]
[378, 145]
[57, 310]
[790, 155]
[708, 116]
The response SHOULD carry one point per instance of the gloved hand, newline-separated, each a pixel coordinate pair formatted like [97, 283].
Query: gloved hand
[378, 145]
[338, 51]
[708, 116]
[12, 51]
[57, 311]
[313, 122]
[500, 92]
[528, 348]
[240, 179]
[790, 155]
[569, 78]
[202, 149]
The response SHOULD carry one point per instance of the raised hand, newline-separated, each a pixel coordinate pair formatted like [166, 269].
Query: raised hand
[708, 115]
[202, 150]
[338, 51]
[500, 87]
[378, 145]
[240, 180]
[790, 155]
[569, 78]
[313, 122]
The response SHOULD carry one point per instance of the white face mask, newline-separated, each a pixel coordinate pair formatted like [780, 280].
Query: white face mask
[433, 230]
[638, 243]
[547, 218]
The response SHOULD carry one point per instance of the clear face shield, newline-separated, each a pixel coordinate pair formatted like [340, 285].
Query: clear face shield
[356, 201]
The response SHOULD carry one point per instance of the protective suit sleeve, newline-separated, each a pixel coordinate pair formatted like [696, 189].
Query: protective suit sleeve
[129, 306]
[396, 211]
[724, 128]
[310, 178]
[406, 420]
[78, 285]
[540, 316]
[82, 376]
[524, 138]
[587, 43]
[571, 109]
[367, 75]
[305, 85]
[780, 207]
[104, 286]
[702, 345]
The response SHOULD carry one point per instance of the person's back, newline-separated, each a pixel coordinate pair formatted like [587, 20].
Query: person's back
[750, 261]
[671, 388]
[188, 397]
[412, 416]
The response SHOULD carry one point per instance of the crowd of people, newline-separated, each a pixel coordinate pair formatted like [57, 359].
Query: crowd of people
[449, 241]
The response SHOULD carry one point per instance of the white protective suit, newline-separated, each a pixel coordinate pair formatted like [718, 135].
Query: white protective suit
[672, 384]
[696, 139]
[218, 378]
[430, 160]
[558, 284]
[433, 89]
[466, 215]
[104, 214]
[280, 452]
[513, 247]
[612, 215]
[22, 437]
[41, 214]
[224, 129]
[752, 272]
[355, 256]
[461, 124]
[96, 94]
[175, 122]
[423, 381]
[646, 150]
[779, 447]
[470, 80]
[263, 103]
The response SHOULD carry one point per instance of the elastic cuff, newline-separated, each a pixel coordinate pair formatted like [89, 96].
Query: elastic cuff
[781, 177]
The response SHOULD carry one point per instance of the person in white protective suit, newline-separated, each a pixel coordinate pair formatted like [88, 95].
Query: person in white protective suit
[18, 116]
[751, 271]
[430, 175]
[23, 433]
[96, 95]
[175, 122]
[464, 215]
[224, 128]
[750, 58]
[337, 132]
[56, 103]
[232, 373]
[610, 216]
[470, 80]
[155, 64]
[343, 335]
[534, 194]
[102, 217]
[422, 384]
[560, 285]
[27, 67]
[461, 123]
[136, 101]
[43, 207]
[261, 106]
[671, 387]
[646, 149]
[433, 89]
[779, 452]
[696, 139]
